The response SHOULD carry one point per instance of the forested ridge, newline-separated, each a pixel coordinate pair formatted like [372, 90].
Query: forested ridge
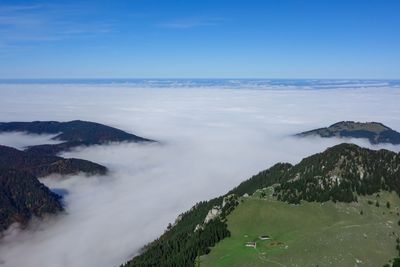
[340, 174]
[72, 134]
[43, 165]
[22, 195]
[375, 132]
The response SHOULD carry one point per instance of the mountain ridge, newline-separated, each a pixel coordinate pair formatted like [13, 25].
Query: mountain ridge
[375, 132]
[22, 194]
[190, 231]
[43, 165]
[72, 134]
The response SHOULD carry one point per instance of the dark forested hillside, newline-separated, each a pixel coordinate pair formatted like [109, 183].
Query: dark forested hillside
[23, 196]
[375, 132]
[42, 165]
[73, 133]
[181, 244]
[338, 174]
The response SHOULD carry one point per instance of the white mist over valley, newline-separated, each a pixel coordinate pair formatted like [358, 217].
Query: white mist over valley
[211, 138]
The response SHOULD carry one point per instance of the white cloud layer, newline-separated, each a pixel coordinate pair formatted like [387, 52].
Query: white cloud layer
[22, 140]
[211, 140]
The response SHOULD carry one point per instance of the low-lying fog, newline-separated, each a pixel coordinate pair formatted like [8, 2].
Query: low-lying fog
[23, 140]
[210, 140]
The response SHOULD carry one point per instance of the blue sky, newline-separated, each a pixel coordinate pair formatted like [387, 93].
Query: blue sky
[200, 39]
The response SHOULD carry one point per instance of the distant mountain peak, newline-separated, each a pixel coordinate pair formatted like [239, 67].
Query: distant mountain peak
[73, 133]
[372, 125]
[375, 132]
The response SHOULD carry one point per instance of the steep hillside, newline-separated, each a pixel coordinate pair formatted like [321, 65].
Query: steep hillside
[340, 174]
[23, 196]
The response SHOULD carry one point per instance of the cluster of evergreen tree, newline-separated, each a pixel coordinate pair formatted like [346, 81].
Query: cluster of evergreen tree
[183, 248]
[23, 196]
[181, 244]
[275, 174]
[311, 190]
[340, 174]
[395, 261]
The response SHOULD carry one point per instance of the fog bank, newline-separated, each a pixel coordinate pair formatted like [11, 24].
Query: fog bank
[210, 140]
[22, 140]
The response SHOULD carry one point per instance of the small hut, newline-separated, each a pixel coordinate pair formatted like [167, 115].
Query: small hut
[251, 244]
[264, 237]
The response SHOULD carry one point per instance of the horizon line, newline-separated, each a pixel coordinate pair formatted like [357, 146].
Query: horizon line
[199, 78]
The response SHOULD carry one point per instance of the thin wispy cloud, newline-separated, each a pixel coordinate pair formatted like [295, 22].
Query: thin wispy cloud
[190, 23]
[17, 8]
[20, 24]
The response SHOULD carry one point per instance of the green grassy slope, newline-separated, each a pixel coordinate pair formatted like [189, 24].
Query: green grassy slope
[310, 234]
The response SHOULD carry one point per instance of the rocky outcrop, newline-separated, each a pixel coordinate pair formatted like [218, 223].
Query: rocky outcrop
[219, 212]
[213, 214]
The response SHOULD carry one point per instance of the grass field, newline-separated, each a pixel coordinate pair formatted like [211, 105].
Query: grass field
[310, 234]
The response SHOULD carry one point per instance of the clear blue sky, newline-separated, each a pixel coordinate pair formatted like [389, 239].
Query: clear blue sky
[200, 39]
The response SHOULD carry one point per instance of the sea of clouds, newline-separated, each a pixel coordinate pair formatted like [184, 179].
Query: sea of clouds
[210, 139]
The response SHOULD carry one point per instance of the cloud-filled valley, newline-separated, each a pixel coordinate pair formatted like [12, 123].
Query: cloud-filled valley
[210, 139]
